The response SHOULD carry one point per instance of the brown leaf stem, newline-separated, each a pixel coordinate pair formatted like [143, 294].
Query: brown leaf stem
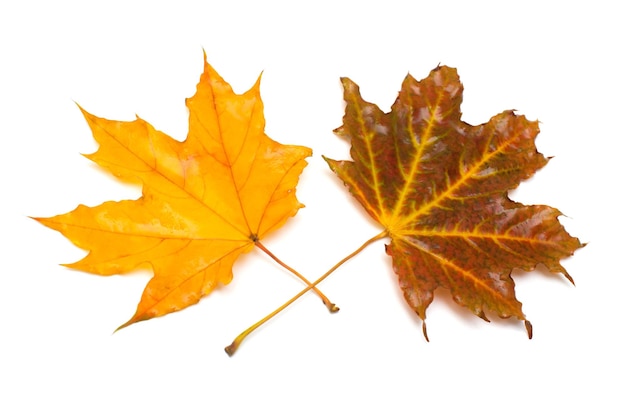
[232, 348]
[331, 306]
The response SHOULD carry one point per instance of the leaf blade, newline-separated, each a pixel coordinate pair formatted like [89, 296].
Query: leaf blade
[442, 195]
[205, 201]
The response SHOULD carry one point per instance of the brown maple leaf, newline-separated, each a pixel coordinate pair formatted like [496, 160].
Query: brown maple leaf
[439, 188]
[206, 200]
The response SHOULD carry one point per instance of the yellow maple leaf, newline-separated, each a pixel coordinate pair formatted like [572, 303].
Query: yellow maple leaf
[205, 201]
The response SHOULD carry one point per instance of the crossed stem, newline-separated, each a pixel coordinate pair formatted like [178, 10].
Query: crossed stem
[331, 306]
[232, 348]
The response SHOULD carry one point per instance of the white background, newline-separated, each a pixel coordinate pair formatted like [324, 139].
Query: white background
[563, 65]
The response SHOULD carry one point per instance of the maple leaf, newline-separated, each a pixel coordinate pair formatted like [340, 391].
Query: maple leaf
[205, 200]
[439, 188]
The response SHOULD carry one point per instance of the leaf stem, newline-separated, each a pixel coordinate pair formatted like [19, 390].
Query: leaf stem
[331, 306]
[232, 348]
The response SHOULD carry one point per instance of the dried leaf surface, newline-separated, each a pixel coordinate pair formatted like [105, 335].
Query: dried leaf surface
[205, 200]
[439, 188]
